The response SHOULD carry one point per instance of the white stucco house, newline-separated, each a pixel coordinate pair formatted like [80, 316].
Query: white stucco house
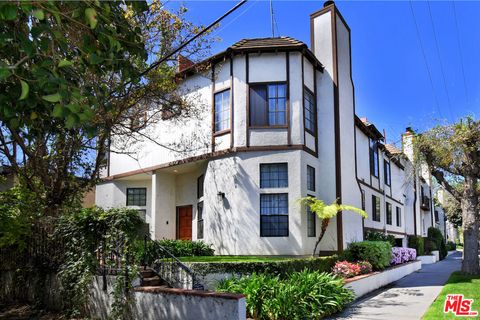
[277, 122]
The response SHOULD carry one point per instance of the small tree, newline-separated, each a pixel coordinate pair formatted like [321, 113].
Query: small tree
[452, 153]
[326, 212]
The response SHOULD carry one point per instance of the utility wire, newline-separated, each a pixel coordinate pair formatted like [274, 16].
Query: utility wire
[236, 17]
[425, 58]
[441, 62]
[184, 44]
[272, 19]
[460, 50]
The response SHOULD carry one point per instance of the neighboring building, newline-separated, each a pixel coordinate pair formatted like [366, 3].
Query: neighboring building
[277, 122]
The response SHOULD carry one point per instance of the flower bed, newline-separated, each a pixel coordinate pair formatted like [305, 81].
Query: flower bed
[402, 255]
[347, 269]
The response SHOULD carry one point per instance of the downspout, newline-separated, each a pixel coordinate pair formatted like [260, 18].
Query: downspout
[415, 204]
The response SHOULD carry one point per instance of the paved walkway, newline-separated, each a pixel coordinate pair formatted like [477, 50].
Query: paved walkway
[409, 297]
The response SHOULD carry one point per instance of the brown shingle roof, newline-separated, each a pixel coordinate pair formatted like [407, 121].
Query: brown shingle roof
[392, 149]
[262, 43]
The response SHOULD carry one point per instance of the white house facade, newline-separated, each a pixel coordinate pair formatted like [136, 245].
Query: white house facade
[276, 122]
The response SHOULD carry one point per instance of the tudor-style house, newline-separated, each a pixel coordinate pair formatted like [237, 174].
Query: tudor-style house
[276, 123]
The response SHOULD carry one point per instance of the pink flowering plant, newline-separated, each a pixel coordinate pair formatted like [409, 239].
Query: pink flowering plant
[346, 269]
[402, 255]
[365, 267]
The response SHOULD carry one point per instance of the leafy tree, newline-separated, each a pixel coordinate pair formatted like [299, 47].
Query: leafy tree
[72, 78]
[452, 153]
[326, 212]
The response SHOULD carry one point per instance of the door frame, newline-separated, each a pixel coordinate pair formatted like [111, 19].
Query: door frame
[177, 220]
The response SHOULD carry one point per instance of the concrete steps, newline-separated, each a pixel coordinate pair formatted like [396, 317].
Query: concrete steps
[148, 278]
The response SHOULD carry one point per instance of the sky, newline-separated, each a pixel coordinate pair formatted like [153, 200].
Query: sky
[409, 68]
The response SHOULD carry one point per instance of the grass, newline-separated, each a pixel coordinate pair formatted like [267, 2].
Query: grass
[235, 259]
[467, 285]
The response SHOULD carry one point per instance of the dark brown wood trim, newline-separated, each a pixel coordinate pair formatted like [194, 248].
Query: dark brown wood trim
[221, 133]
[232, 103]
[324, 253]
[247, 102]
[336, 106]
[287, 67]
[380, 191]
[208, 156]
[303, 101]
[316, 110]
[415, 203]
[213, 108]
[269, 127]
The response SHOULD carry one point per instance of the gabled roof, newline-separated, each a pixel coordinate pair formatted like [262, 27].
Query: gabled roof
[392, 149]
[257, 45]
[368, 128]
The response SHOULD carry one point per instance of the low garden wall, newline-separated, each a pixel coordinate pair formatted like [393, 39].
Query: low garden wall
[364, 284]
[210, 273]
[170, 303]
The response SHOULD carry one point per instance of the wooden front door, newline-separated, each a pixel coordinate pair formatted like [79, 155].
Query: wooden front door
[184, 223]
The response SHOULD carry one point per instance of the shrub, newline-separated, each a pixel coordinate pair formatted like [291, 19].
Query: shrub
[303, 295]
[378, 253]
[417, 242]
[380, 236]
[401, 255]
[365, 267]
[437, 236]
[346, 269]
[450, 246]
[346, 255]
[179, 248]
[430, 245]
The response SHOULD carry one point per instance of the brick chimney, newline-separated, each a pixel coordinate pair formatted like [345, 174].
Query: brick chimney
[183, 63]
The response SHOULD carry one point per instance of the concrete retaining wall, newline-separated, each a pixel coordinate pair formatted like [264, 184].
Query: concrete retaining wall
[427, 259]
[168, 303]
[364, 284]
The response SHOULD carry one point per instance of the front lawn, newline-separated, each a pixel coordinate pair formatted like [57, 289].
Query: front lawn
[237, 259]
[469, 286]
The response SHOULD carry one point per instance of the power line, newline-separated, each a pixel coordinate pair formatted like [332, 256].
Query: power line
[236, 17]
[441, 62]
[272, 19]
[425, 58]
[460, 50]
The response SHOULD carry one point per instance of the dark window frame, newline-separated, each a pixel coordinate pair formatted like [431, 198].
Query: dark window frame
[200, 220]
[222, 130]
[137, 195]
[376, 209]
[279, 182]
[200, 186]
[313, 113]
[389, 213]
[280, 217]
[374, 158]
[252, 86]
[311, 181]
[387, 172]
[398, 216]
[364, 205]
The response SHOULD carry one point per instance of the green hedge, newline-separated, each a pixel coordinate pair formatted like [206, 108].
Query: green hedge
[302, 295]
[380, 236]
[280, 268]
[436, 235]
[451, 246]
[417, 242]
[179, 248]
[378, 253]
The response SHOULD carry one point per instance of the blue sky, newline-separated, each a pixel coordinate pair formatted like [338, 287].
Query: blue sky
[392, 83]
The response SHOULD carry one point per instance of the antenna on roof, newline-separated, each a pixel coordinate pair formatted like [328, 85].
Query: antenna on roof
[272, 19]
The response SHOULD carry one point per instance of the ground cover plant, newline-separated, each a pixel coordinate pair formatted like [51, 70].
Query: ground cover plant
[303, 295]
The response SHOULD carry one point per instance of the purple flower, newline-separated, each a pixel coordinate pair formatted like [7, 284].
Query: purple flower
[401, 255]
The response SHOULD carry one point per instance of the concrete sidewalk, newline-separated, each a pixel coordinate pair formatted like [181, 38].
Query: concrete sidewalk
[409, 297]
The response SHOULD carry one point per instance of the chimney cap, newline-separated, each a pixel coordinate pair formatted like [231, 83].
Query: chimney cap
[327, 3]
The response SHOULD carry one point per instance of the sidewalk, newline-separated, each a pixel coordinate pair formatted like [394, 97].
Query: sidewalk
[409, 297]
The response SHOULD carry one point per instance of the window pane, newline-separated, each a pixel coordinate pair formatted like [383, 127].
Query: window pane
[399, 217]
[258, 106]
[310, 178]
[389, 213]
[274, 215]
[200, 182]
[311, 223]
[200, 220]
[136, 196]
[222, 110]
[309, 111]
[274, 175]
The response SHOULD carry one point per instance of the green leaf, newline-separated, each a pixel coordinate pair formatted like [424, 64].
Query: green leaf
[25, 90]
[52, 97]
[91, 17]
[4, 73]
[71, 121]
[65, 63]
[39, 14]
[57, 111]
[8, 12]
